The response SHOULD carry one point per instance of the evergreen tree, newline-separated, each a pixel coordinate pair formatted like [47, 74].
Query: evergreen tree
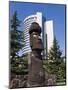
[15, 36]
[16, 42]
[55, 64]
[55, 52]
[20, 66]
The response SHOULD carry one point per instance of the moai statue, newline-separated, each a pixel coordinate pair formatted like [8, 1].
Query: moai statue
[36, 75]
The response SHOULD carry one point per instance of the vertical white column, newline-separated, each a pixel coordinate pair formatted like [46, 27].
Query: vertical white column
[39, 19]
[50, 35]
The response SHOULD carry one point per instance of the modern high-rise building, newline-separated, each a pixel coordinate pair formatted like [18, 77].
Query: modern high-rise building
[48, 28]
[46, 32]
[49, 35]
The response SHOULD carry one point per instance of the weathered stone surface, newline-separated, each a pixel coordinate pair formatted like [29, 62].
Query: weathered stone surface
[19, 81]
[51, 80]
[35, 41]
[15, 82]
[36, 73]
[35, 27]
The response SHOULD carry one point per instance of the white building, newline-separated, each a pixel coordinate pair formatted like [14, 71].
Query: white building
[46, 28]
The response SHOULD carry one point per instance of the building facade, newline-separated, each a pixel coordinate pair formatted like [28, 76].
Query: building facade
[49, 35]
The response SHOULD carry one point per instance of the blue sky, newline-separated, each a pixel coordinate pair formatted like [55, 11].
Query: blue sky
[53, 12]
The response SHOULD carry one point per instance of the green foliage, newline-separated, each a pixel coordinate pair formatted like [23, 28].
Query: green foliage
[55, 52]
[20, 66]
[55, 63]
[16, 36]
[15, 23]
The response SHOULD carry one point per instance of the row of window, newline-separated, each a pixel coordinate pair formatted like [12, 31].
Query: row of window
[30, 19]
[26, 50]
[26, 40]
[26, 33]
[27, 25]
[26, 47]
[23, 53]
[29, 22]
[27, 44]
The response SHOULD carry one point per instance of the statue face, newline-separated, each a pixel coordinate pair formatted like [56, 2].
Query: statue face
[35, 40]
